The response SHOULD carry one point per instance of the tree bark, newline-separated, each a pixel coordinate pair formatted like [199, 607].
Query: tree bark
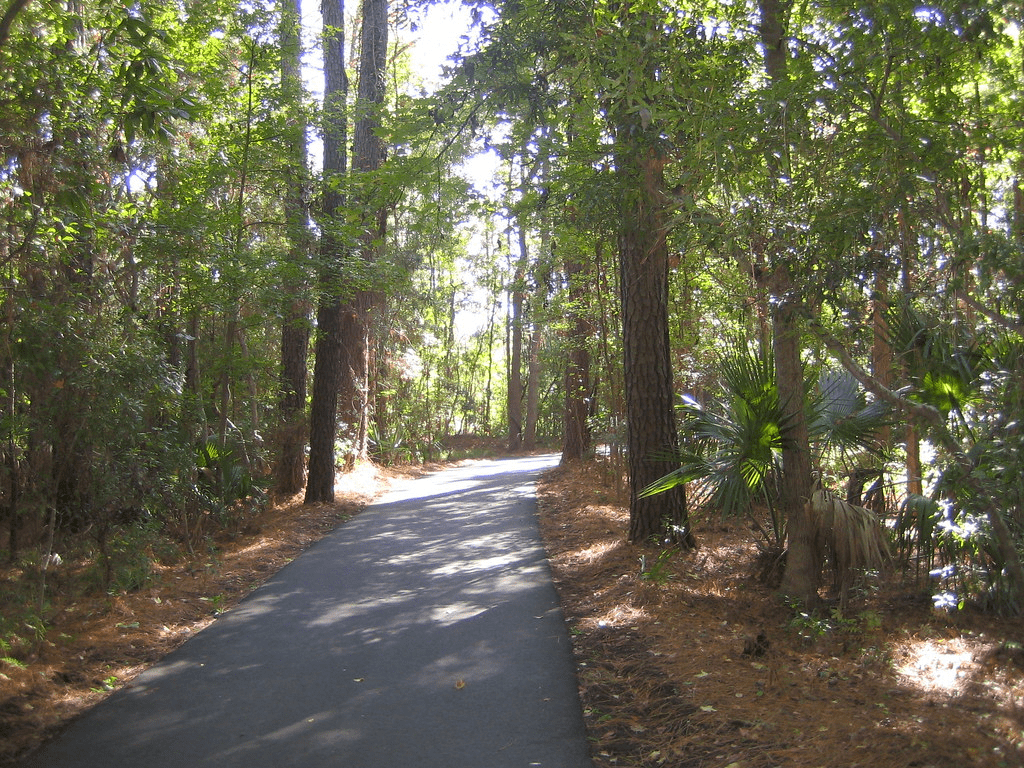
[881, 349]
[515, 375]
[803, 559]
[533, 385]
[290, 472]
[908, 262]
[541, 274]
[327, 368]
[651, 437]
[323, 408]
[367, 156]
[576, 420]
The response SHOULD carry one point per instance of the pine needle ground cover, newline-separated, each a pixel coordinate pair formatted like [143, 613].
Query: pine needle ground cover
[687, 660]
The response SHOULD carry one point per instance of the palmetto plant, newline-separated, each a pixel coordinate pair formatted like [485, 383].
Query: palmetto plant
[733, 448]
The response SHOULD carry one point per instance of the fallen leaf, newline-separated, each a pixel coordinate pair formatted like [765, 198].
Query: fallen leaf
[460, 684]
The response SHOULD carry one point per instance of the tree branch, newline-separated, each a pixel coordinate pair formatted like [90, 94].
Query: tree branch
[921, 411]
[996, 317]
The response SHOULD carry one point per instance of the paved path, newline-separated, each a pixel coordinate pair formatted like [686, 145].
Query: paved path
[423, 633]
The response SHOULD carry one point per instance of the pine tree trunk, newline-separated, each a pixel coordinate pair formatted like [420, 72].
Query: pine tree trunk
[291, 460]
[367, 156]
[803, 558]
[515, 375]
[576, 433]
[533, 386]
[323, 408]
[353, 403]
[327, 368]
[651, 437]
[290, 471]
[908, 262]
[881, 349]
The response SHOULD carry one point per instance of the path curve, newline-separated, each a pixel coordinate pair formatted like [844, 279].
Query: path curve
[423, 633]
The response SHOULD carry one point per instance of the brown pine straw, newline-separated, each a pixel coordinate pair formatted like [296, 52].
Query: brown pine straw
[698, 664]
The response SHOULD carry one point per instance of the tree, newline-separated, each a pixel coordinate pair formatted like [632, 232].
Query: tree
[651, 438]
[327, 371]
[515, 345]
[576, 428]
[369, 199]
[291, 459]
[640, 158]
[801, 576]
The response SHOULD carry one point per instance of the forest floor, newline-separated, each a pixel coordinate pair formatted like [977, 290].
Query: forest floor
[685, 659]
[688, 660]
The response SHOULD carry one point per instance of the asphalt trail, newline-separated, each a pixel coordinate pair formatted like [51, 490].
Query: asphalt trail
[423, 633]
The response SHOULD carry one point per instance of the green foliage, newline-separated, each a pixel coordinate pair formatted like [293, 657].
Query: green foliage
[126, 562]
[735, 449]
[916, 529]
[394, 446]
[108, 684]
[971, 376]
[843, 421]
[23, 621]
[129, 188]
[226, 485]
[660, 571]
[815, 626]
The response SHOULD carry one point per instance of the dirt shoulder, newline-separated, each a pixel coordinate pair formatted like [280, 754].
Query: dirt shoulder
[688, 660]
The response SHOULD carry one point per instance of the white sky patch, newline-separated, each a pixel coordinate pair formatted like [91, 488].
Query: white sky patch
[440, 31]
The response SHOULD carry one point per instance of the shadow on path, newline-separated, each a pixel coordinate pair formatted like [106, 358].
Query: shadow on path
[424, 632]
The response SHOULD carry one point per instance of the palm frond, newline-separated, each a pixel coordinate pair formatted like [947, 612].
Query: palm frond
[842, 416]
[692, 467]
[853, 535]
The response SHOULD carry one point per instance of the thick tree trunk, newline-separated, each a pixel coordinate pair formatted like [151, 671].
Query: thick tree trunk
[533, 367]
[291, 459]
[290, 472]
[803, 559]
[323, 410]
[533, 386]
[367, 156]
[515, 376]
[881, 349]
[908, 265]
[651, 437]
[515, 370]
[353, 402]
[327, 369]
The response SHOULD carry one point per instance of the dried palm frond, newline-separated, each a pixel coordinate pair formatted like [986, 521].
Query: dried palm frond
[853, 536]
